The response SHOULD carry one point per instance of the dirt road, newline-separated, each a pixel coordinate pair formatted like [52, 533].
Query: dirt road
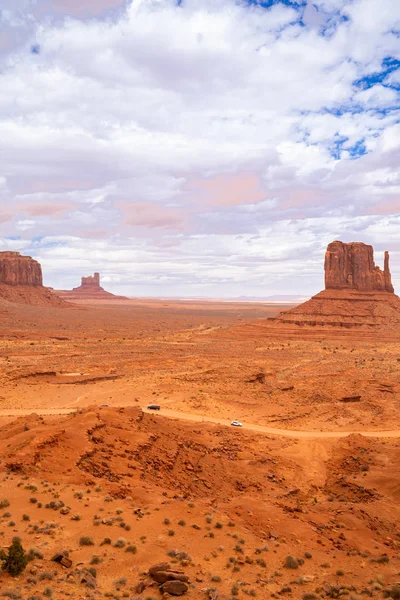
[171, 414]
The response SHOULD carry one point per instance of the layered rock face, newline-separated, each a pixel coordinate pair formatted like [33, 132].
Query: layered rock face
[92, 281]
[357, 293]
[352, 266]
[19, 270]
[21, 282]
[90, 289]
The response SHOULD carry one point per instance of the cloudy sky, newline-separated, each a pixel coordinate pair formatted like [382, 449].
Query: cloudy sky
[198, 147]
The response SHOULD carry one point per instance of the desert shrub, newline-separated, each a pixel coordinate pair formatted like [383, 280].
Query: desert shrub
[16, 559]
[291, 563]
[33, 500]
[4, 503]
[34, 553]
[307, 555]
[309, 596]
[235, 590]
[261, 562]
[120, 581]
[381, 559]
[26, 518]
[167, 521]
[131, 548]
[209, 518]
[120, 543]
[395, 591]
[13, 594]
[171, 532]
[95, 560]
[48, 592]
[85, 540]
[218, 525]
[182, 523]
[340, 572]
[46, 575]
[195, 526]
[216, 578]
[105, 542]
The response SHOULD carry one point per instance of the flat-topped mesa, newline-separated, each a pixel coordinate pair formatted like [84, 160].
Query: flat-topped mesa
[92, 281]
[19, 270]
[352, 266]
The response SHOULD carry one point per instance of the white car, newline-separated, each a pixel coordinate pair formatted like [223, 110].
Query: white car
[236, 424]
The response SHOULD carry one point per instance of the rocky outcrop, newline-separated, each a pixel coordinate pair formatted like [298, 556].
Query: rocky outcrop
[21, 282]
[90, 289]
[19, 270]
[92, 281]
[352, 266]
[357, 294]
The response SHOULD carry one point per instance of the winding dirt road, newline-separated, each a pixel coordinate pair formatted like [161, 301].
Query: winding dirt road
[171, 414]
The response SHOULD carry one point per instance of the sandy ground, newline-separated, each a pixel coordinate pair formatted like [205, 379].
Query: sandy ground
[314, 472]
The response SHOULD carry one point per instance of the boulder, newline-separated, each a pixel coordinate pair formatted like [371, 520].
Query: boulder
[175, 588]
[163, 576]
[164, 566]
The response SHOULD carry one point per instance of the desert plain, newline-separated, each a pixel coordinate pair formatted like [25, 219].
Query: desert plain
[301, 502]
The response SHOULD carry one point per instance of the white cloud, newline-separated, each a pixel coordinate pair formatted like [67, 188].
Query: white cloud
[111, 126]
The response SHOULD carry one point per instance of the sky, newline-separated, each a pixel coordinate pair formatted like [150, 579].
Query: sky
[198, 147]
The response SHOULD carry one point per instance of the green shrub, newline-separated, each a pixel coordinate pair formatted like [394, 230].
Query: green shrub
[16, 559]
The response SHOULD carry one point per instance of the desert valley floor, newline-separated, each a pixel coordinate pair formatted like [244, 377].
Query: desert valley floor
[302, 502]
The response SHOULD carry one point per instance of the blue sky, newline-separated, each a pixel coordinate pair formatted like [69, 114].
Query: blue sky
[200, 148]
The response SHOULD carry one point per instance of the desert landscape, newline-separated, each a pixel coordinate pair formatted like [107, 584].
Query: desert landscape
[199, 299]
[112, 499]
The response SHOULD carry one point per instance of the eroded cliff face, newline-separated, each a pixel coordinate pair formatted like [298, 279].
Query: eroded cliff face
[352, 266]
[357, 294]
[19, 270]
[92, 281]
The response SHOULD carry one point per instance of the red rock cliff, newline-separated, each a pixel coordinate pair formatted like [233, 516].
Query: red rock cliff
[351, 266]
[92, 281]
[19, 270]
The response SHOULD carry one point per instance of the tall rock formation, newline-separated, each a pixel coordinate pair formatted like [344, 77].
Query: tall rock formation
[21, 282]
[351, 266]
[90, 289]
[19, 270]
[357, 293]
[92, 281]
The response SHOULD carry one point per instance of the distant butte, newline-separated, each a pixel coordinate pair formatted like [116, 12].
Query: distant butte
[90, 289]
[351, 266]
[21, 281]
[357, 293]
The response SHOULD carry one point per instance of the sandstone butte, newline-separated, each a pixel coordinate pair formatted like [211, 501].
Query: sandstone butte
[21, 281]
[357, 293]
[90, 289]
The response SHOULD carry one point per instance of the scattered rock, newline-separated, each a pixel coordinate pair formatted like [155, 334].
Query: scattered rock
[175, 588]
